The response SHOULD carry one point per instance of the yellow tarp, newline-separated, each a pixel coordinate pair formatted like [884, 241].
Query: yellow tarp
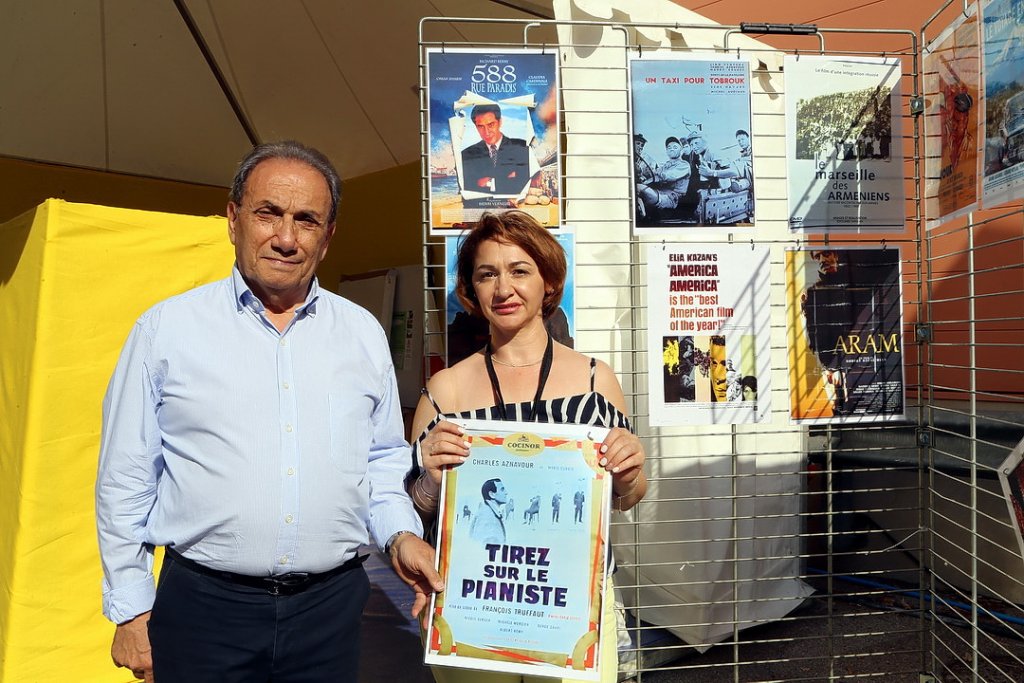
[73, 280]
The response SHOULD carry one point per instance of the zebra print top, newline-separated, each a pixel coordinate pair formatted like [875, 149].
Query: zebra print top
[590, 408]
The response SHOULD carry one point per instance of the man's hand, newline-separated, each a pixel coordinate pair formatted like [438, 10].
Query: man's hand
[131, 647]
[413, 560]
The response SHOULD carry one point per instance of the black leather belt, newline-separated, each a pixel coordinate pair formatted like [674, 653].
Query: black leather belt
[282, 584]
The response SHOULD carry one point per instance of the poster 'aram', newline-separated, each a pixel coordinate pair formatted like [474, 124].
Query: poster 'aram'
[493, 135]
[523, 552]
[844, 152]
[708, 334]
[844, 334]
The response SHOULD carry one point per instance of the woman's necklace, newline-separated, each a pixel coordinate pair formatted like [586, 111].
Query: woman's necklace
[516, 365]
[545, 368]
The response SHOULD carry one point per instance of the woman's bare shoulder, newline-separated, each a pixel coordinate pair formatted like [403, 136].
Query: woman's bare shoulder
[449, 387]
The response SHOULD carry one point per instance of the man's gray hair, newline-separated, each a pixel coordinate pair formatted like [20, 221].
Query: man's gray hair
[287, 149]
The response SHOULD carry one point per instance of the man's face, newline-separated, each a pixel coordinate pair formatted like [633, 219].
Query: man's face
[489, 127]
[280, 230]
[500, 495]
[673, 150]
[719, 385]
[743, 141]
[698, 145]
[828, 261]
[638, 147]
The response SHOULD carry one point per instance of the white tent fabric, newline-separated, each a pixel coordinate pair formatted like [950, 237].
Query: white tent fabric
[121, 85]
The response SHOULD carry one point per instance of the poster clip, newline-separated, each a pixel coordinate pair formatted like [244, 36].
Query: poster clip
[442, 47]
[639, 49]
[751, 244]
[796, 54]
[663, 245]
[883, 244]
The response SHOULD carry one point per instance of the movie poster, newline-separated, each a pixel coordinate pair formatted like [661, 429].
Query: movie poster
[493, 135]
[522, 550]
[1011, 478]
[951, 80]
[708, 334]
[1003, 55]
[844, 155]
[844, 334]
[692, 152]
[467, 333]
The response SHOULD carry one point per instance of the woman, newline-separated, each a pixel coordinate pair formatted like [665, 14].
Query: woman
[511, 271]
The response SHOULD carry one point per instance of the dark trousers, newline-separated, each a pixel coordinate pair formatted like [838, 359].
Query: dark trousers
[207, 630]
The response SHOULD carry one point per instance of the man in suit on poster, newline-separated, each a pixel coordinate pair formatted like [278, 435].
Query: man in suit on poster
[497, 165]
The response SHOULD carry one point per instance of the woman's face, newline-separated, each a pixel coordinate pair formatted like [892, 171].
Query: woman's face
[508, 285]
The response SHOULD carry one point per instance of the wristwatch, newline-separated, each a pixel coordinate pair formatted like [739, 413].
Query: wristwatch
[391, 541]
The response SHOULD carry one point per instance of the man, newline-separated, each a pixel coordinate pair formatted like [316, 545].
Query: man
[496, 165]
[741, 169]
[643, 165]
[252, 427]
[531, 513]
[488, 524]
[716, 355]
[669, 183]
[577, 502]
[556, 506]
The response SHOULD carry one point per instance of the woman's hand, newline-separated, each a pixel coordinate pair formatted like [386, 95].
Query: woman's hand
[622, 454]
[445, 444]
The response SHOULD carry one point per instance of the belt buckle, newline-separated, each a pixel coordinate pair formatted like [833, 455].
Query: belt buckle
[287, 581]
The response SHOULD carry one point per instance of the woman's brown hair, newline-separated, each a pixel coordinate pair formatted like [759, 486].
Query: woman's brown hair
[522, 230]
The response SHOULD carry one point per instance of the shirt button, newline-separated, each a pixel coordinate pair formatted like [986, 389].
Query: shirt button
[286, 385]
[291, 471]
[284, 342]
[287, 428]
[283, 560]
[288, 519]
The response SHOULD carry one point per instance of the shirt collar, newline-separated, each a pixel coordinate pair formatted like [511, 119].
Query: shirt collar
[244, 297]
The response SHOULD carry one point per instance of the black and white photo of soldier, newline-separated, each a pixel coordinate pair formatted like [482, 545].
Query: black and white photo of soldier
[695, 184]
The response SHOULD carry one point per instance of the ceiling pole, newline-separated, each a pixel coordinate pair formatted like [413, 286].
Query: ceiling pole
[243, 120]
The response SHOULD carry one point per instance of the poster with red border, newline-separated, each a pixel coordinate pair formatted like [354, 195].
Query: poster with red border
[951, 82]
[523, 552]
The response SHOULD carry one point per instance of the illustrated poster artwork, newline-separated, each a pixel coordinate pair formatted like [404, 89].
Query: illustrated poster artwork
[523, 552]
[692, 143]
[953, 100]
[493, 128]
[844, 335]
[844, 155]
[708, 335]
[1011, 478]
[468, 333]
[1003, 57]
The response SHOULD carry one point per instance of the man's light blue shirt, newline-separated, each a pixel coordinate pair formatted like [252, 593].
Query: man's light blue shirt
[249, 450]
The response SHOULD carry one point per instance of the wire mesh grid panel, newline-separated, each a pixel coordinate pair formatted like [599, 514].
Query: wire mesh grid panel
[768, 550]
[974, 253]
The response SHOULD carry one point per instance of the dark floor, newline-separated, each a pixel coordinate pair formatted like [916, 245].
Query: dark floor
[874, 642]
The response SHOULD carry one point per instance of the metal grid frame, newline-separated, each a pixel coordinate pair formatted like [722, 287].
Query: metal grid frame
[974, 287]
[867, 495]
